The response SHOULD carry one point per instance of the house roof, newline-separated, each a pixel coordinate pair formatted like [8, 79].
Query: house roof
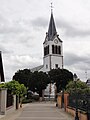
[1, 69]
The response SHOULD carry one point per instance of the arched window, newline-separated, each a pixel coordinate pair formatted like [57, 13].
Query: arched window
[56, 49]
[52, 49]
[60, 50]
[46, 50]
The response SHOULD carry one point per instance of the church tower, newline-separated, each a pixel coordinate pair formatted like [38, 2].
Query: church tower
[53, 49]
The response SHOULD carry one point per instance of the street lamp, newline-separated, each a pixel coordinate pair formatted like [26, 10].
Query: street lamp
[76, 99]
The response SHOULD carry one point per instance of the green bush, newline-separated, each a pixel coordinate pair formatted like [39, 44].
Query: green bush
[26, 101]
[35, 97]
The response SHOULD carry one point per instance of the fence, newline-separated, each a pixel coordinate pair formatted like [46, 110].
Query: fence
[82, 101]
[9, 99]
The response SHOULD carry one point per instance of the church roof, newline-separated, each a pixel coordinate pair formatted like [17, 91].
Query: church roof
[1, 69]
[52, 28]
[36, 68]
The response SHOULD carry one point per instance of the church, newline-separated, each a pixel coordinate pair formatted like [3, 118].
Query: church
[53, 53]
[53, 49]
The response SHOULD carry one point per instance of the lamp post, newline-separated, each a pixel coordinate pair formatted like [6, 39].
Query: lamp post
[76, 99]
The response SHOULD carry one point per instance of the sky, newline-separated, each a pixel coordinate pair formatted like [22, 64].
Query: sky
[23, 26]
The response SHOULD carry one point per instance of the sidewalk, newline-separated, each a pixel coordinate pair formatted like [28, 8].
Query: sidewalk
[39, 111]
[14, 114]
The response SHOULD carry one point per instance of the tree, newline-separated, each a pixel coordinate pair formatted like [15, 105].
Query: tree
[23, 77]
[61, 77]
[39, 82]
[81, 87]
[35, 82]
[16, 88]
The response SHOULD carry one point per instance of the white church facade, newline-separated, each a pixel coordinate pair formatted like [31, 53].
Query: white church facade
[53, 50]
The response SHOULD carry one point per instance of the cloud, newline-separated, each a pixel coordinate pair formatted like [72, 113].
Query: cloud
[71, 30]
[11, 28]
[39, 22]
[78, 64]
[16, 62]
[81, 62]
[5, 50]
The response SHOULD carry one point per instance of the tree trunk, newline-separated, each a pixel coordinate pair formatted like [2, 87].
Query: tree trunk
[21, 102]
[40, 95]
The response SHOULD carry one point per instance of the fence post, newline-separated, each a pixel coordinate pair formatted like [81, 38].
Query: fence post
[3, 100]
[66, 100]
[88, 106]
[17, 101]
[59, 100]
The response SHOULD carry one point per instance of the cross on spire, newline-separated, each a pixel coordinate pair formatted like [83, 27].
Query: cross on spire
[52, 28]
[51, 7]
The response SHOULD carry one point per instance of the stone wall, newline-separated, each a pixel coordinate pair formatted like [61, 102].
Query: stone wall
[59, 100]
[82, 115]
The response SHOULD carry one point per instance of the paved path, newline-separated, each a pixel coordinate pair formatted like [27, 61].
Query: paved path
[42, 111]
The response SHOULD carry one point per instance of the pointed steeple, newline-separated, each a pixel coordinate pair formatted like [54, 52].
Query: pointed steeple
[52, 28]
[1, 69]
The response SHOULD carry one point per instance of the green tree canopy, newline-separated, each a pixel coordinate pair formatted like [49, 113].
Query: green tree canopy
[15, 87]
[39, 82]
[61, 77]
[81, 87]
[35, 82]
[23, 77]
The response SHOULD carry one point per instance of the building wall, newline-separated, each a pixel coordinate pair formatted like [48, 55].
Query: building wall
[56, 60]
[51, 59]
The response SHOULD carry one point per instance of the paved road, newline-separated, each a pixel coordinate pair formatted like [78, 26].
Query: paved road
[43, 111]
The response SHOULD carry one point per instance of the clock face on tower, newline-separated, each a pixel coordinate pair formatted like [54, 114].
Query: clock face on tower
[56, 41]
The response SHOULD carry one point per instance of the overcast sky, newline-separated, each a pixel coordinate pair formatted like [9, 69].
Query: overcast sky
[23, 26]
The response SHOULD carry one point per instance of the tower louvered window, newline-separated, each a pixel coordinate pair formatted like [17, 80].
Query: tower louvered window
[46, 50]
[56, 49]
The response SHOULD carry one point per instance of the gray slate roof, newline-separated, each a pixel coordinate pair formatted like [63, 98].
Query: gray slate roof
[52, 28]
[36, 68]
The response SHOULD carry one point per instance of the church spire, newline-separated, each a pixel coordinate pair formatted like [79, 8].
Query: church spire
[52, 28]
